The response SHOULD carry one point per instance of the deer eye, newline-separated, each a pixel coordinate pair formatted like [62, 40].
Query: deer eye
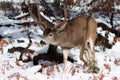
[50, 34]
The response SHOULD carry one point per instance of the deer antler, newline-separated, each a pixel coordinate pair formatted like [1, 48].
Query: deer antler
[60, 25]
[36, 17]
[63, 23]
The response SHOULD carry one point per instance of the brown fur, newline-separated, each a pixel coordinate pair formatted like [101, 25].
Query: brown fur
[2, 43]
[78, 31]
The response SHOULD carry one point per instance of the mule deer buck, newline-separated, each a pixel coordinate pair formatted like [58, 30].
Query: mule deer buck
[68, 34]
[78, 31]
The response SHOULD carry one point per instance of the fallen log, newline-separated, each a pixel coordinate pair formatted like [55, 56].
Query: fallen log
[22, 51]
[102, 41]
[112, 30]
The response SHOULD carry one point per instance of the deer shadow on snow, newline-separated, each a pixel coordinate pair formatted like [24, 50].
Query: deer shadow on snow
[51, 55]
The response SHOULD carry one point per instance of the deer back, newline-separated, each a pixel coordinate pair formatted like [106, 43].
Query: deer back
[74, 33]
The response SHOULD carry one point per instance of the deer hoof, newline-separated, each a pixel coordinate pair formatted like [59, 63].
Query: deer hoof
[94, 69]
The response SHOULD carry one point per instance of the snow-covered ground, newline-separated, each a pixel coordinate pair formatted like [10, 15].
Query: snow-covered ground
[11, 69]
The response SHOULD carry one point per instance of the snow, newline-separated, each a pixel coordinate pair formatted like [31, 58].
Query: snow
[11, 69]
[17, 1]
[117, 7]
[22, 14]
[100, 31]
[110, 36]
[116, 47]
[5, 21]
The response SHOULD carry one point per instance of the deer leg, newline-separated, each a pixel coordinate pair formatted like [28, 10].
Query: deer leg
[89, 51]
[65, 56]
[92, 57]
[81, 53]
[92, 51]
[82, 48]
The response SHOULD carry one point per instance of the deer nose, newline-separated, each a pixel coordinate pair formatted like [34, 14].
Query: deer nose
[42, 42]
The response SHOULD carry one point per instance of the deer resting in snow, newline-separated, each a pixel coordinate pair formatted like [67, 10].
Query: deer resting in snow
[78, 31]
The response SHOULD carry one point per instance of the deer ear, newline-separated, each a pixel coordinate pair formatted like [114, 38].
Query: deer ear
[61, 27]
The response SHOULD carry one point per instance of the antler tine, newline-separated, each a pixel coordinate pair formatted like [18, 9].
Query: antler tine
[37, 20]
[57, 23]
[38, 12]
